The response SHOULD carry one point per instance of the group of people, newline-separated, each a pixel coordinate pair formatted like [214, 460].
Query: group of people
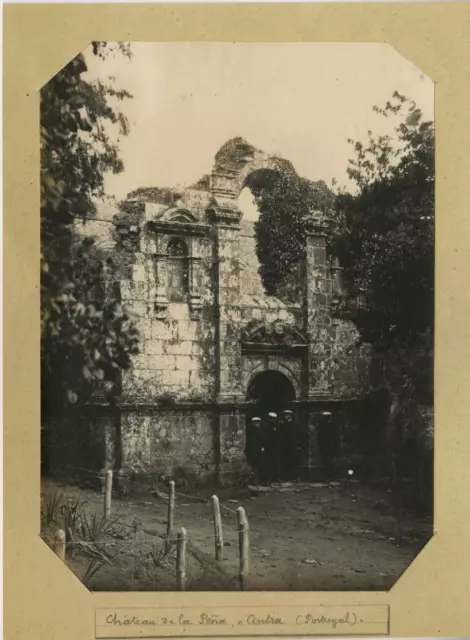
[275, 450]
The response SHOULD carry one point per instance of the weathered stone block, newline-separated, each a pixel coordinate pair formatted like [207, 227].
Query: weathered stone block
[133, 290]
[139, 274]
[232, 437]
[135, 441]
[188, 329]
[195, 384]
[164, 362]
[178, 311]
[231, 382]
[197, 349]
[140, 361]
[182, 347]
[154, 347]
[182, 439]
[177, 380]
[143, 383]
[185, 363]
[165, 330]
[144, 327]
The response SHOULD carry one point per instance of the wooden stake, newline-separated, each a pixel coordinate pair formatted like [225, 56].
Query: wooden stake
[108, 493]
[218, 531]
[171, 515]
[181, 559]
[243, 546]
[59, 544]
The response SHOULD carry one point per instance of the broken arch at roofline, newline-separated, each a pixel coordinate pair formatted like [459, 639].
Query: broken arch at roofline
[238, 165]
[256, 179]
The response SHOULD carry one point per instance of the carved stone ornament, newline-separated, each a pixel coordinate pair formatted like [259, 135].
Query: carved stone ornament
[275, 334]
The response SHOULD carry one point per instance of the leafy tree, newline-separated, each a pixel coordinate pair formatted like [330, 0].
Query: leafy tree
[384, 239]
[382, 234]
[85, 336]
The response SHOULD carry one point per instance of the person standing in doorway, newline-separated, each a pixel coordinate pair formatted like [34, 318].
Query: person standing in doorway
[259, 450]
[273, 447]
[287, 446]
[327, 442]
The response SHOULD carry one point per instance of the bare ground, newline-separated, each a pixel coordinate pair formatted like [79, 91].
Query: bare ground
[316, 536]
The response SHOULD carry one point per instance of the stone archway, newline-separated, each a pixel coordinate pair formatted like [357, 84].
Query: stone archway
[269, 391]
[238, 164]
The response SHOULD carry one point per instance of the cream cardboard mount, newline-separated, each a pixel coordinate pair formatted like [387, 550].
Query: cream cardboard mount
[42, 598]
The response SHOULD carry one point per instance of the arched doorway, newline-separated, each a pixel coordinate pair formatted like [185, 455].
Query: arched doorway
[271, 392]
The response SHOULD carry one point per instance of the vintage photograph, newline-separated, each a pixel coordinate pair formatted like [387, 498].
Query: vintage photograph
[237, 316]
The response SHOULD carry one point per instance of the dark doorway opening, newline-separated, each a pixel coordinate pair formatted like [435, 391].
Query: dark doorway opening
[271, 392]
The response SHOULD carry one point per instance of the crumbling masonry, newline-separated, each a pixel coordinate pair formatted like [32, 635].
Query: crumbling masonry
[188, 271]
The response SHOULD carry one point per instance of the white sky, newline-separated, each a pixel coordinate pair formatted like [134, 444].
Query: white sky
[297, 100]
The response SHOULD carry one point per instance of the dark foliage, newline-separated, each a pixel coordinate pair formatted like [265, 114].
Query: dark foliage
[288, 205]
[385, 233]
[384, 239]
[85, 336]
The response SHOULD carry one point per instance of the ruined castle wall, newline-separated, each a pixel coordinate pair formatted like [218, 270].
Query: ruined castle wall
[252, 293]
[229, 348]
[192, 358]
[164, 428]
[176, 358]
[250, 280]
[177, 443]
[336, 363]
[244, 303]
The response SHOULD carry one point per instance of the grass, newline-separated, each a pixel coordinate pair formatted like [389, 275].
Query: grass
[50, 510]
[146, 563]
[72, 510]
[84, 531]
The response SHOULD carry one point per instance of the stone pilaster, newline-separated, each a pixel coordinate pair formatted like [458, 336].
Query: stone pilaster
[233, 468]
[321, 332]
[320, 328]
[195, 280]
[228, 343]
[232, 465]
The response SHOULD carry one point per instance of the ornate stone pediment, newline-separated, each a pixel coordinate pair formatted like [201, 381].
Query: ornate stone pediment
[178, 214]
[273, 335]
[178, 221]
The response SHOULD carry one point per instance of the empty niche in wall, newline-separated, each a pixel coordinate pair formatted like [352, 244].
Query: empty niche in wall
[177, 270]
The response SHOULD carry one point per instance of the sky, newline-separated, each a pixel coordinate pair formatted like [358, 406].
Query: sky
[301, 101]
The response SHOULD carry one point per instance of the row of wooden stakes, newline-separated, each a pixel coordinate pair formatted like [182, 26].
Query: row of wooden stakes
[182, 537]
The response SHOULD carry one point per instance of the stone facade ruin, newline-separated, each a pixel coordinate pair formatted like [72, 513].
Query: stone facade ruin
[188, 272]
